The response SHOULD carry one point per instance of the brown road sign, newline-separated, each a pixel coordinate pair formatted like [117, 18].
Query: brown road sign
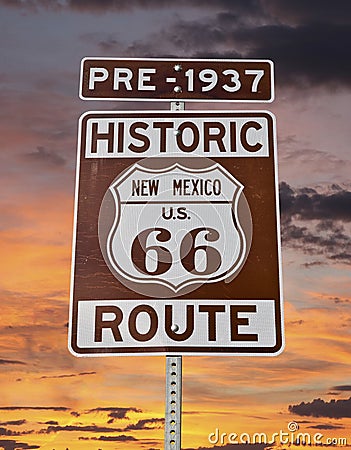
[176, 247]
[177, 79]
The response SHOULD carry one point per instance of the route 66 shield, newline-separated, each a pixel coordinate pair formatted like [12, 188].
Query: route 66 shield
[174, 227]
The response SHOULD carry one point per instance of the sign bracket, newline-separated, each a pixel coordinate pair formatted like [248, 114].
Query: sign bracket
[177, 106]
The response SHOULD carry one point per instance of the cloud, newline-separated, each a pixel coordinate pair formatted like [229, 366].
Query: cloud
[14, 445]
[314, 222]
[302, 12]
[326, 426]
[308, 204]
[300, 52]
[34, 408]
[49, 422]
[297, 322]
[115, 413]
[342, 387]
[335, 409]
[68, 376]
[14, 422]
[120, 438]
[307, 54]
[104, 6]
[45, 157]
[146, 424]
[281, 11]
[86, 428]
[7, 432]
[335, 245]
[11, 361]
[308, 265]
[343, 301]
[306, 40]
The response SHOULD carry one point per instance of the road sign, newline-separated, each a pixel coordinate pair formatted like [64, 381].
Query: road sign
[235, 80]
[176, 247]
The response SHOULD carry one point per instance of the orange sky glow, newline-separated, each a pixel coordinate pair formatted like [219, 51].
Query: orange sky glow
[53, 400]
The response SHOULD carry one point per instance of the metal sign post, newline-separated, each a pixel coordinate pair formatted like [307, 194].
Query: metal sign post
[173, 411]
[174, 384]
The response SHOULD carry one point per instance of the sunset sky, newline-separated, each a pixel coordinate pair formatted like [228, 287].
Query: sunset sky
[51, 399]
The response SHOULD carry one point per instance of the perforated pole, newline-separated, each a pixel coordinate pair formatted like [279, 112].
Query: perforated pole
[173, 415]
[173, 410]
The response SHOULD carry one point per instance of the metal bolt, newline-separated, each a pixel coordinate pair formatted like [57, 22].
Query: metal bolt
[177, 67]
[178, 89]
[175, 327]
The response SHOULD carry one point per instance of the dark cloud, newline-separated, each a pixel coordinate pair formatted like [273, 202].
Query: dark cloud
[34, 408]
[315, 222]
[104, 6]
[49, 422]
[308, 204]
[326, 426]
[342, 387]
[14, 422]
[14, 445]
[297, 322]
[335, 409]
[115, 412]
[120, 438]
[241, 6]
[7, 432]
[342, 301]
[306, 40]
[44, 156]
[11, 361]
[313, 11]
[310, 54]
[281, 11]
[146, 424]
[68, 375]
[308, 265]
[335, 246]
[86, 428]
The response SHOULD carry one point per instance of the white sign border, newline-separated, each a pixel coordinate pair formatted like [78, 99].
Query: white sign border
[75, 221]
